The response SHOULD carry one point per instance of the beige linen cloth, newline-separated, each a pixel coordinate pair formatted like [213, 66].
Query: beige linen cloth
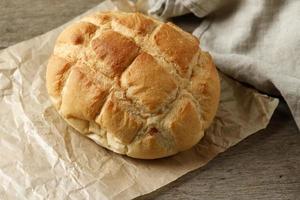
[253, 41]
[41, 157]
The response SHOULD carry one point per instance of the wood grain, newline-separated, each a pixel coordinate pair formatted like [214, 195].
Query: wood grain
[263, 166]
[23, 19]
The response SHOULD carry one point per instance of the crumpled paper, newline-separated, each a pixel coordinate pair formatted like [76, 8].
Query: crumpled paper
[41, 157]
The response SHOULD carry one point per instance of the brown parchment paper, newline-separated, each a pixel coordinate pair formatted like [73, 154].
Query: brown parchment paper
[41, 157]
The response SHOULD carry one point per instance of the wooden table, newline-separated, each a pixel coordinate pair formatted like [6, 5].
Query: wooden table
[263, 166]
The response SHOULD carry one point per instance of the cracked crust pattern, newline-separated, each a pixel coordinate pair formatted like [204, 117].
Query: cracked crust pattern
[132, 84]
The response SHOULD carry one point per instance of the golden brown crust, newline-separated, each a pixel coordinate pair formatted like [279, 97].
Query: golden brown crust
[137, 23]
[148, 83]
[116, 51]
[177, 46]
[118, 122]
[99, 19]
[79, 33]
[185, 124]
[205, 86]
[56, 75]
[81, 98]
[133, 84]
[151, 146]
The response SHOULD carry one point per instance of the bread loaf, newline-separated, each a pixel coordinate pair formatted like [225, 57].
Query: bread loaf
[134, 85]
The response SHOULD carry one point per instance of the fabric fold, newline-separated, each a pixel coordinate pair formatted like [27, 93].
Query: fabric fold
[255, 42]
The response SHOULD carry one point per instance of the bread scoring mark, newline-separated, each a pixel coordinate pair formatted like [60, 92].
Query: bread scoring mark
[184, 124]
[118, 122]
[151, 143]
[82, 98]
[205, 87]
[147, 83]
[177, 46]
[116, 51]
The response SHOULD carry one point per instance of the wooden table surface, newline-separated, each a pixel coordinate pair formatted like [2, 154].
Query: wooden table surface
[264, 166]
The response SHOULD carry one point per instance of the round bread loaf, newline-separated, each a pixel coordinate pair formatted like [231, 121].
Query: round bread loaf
[134, 85]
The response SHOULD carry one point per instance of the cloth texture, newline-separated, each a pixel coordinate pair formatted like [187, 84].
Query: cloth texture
[254, 41]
